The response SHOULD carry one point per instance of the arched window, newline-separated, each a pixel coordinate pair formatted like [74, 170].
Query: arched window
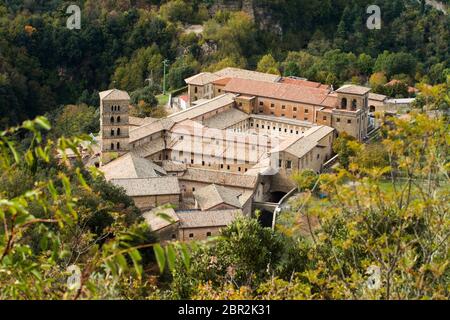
[344, 103]
[354, 104]
[112, 132]
[118, 119]
[118, 131]
[118, 108]
[372, 108]
[112, 146]
[118, 145]
[112, 108]
[112, 119]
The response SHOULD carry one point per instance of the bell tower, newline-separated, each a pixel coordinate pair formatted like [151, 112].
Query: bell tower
[114, 122]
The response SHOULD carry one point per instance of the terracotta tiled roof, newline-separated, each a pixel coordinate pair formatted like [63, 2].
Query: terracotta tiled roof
[305, 83]
[280, 91]
[222, 81]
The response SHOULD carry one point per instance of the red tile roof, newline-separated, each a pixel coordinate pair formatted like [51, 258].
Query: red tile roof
[222, 82]
[280, 91]
[306, 83]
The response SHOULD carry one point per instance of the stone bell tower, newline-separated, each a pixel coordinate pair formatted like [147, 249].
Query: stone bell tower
[114, 122]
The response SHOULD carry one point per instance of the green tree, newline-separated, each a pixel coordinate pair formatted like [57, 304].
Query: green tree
[267, 64]
[345, 146]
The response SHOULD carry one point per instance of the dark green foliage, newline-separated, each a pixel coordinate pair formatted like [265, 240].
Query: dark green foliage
[44, 65]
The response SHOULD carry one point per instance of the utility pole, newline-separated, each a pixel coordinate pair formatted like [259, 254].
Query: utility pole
[165, 62]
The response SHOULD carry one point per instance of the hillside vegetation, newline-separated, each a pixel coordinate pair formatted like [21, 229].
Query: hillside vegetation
[44, 65]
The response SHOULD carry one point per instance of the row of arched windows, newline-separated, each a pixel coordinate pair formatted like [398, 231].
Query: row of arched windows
[112, 132]
[117, 145]
[115, 108]
[344, 104]
[118, 119]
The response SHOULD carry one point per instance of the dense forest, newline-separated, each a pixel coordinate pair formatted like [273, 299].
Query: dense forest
[44, 65]
[382, 211]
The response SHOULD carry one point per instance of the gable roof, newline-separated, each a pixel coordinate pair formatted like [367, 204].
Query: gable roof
[353, 89]
[160, 218]
[203, 108]
[150, 128]
[279, 91]
[201, 79]
[199, 219]
[219, 177]
[114, 94]
[131, 165]
[305, 143]
[226, 119]
[303, 82]
[149, 186]
[214, 195]
[377, 97]
[246, 74]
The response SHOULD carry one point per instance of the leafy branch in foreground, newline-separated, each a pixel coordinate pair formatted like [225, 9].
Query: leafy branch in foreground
[54, 214]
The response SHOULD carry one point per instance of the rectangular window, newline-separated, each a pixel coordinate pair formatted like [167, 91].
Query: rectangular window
[338, 119]
[306, 110]
[283, 107]
[295, 109]
[288, 164]
[261, 103]
[191, 235]
[208, 234]
[324, 118]
[349, 121]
